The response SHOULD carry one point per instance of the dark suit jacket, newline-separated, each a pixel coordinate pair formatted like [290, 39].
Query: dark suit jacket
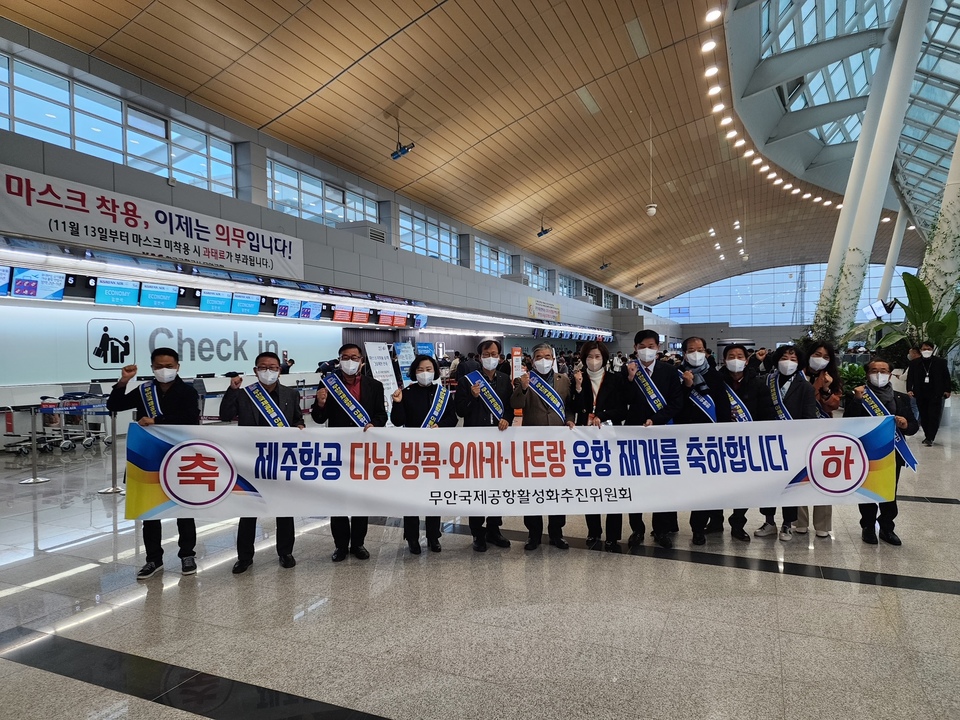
[179, 405]
[237, 404]
[667, 381]
[691, 413]
[415, 406]
[371, 397]
[753, 392]
[535, 411]
[901, 406]
[611, 401]
[939, 377]
[474, 411]
[801, 399]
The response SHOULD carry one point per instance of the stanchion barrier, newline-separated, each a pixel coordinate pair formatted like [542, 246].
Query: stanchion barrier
[114, 488]
[34, 479]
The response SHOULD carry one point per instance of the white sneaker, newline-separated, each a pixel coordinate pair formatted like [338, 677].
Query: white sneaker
[822, 533]
[786, 532]
[765, 530]
[800, 530]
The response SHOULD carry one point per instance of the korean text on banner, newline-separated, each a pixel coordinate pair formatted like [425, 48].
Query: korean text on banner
[42, 206]
[224, 472]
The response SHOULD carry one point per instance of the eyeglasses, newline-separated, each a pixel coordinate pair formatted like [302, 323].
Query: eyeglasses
[261, 368]
[357, 358]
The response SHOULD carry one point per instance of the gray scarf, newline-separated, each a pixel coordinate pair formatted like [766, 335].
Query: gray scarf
[886, 396]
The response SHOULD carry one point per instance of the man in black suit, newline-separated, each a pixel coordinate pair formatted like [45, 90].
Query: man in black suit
[645, 411]
[366, 392]
[898, 405]
[928, 381]
[239, 404]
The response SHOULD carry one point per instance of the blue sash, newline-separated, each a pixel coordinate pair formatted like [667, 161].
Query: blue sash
[344, 399]
[650, 391]
[823, 414]
[739, 410]
[547, 394]
[704, 402]
[266, 405]
[873, 406]
[440, 399]
[777, 397]
[151, 403]
[487, 394]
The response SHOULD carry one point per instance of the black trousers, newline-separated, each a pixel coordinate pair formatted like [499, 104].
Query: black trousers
[789, 513]
[348, 531]
[699, 519]
[663, 522]
[931, 410]
[738, 519]
[555, 523]
[614, 527]
[493, 525]
[888, 511]
[187, 528]
[247, 530]
[411, 528]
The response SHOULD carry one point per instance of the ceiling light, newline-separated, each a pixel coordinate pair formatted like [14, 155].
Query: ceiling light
[740, 143]
[711, 71]
[543, 230]
[716, 246]
[886, 219]
[740, 240]
[827, 203]
[713, 15]
[911, 227]
[401, 148]
[604, 266]
[722, 257]
[708, 46]
[726, 121]
[817, 198]
[757, 160]
[718, 107]
[788, 186]
[715, 90]
[839, 206]
[638, 285]
[778, 181]
[736, 223]
[740, 251]
[806, 195]
[731, 134]
[764, 168]
[750, 153]
[771, 176]
[795, 191]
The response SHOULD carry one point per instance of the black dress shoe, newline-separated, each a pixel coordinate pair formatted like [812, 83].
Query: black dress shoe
[479, 544]
[891, 538]
[339, 555]
[869, 536]
[240, 566]
[434, 545]
[740, 534]
[612, 546]
[361, 553]
[560, 543]
[414, 546]
[498, 540]
[713, 528]
[635, 539]
[663, 540]
[532, 544]
[287, 561]
[699, 538]
[593, 543]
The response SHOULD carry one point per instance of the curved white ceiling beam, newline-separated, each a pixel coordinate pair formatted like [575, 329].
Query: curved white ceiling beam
[798, 121]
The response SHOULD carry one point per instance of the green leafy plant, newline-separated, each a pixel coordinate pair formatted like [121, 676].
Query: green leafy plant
[852, 375]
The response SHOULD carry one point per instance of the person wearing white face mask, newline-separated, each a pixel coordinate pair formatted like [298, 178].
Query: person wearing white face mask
[265, 403]
[928, 380]
[599, 399]
[793, 398]
[483, 401]
[898, 405]
[654, 396]
[423, 405]
[360, 404]
[166, 400]
[544, 397]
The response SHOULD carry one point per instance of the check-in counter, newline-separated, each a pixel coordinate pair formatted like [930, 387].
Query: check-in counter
[16, 404]
[211, 390]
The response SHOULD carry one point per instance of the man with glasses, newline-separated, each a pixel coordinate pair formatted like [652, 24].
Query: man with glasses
[348, 399]
[265, 403]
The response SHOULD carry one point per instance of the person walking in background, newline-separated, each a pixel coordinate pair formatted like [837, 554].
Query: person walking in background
[928, 380]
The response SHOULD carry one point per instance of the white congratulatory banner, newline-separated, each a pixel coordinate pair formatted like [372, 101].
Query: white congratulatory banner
[228, 471]
[47, 207]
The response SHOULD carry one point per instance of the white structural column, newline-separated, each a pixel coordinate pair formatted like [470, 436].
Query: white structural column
[896, 243]
[941, 263]
[877, 178]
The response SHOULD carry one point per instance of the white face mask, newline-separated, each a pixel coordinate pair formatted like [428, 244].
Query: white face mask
[927, 353]
[490, 363]
[425, 378]
[736, 365]
[543, 366]
[165, 375]
[818, 363]
[647, 354]
[787, 367]
[695, 359]
[268, 377]
[879, 379]
[349, 367]
[594, 364]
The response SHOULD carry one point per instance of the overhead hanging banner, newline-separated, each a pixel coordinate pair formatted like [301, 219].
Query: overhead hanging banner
[61, 210]
[225, 471]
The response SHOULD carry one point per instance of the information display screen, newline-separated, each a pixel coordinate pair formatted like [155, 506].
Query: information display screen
[310, 310]
[385, 317]
[38, 284]
[342, 313]
[288, 308]
[4, 279]
[244, 304]
[215, 300]
[154, 295]
[360, 315]
[117, 292]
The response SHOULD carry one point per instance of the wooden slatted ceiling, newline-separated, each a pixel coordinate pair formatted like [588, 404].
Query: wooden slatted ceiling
[488, 91]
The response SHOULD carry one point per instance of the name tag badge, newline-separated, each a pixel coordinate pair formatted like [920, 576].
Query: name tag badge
[926, 379]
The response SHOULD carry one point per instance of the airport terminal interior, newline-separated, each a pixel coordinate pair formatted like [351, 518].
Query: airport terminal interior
[406, 178]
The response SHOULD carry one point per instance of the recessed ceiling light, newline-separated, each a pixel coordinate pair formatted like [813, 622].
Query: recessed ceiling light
[713, 15]
[750, 153]
[711, 71]
[771, 176]
[764, 168]
[839, 206]
[717, 246]
[757, 161]
[722, 257]
[731, 134]
[795, 191]
[736, 223]
[911, 227]
[806, 195]
[708, 46]
[740, 251]
[740, 143]
[886, 219]
[715, 90]
[778, 181]
[740, 240]
[788, 186]
[817, 198]
[827, 203]
[726, 121]
[718, 107]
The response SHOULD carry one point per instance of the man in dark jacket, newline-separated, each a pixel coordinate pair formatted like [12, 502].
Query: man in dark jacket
[166, 400]
[898, 405]
[276, 406]
[474, 403]
[928, 381]
[365, 394]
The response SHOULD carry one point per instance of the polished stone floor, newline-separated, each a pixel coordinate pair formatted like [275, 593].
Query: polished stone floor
[815, 628]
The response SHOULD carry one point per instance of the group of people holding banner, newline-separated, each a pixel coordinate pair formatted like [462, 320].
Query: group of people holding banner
[645, 392]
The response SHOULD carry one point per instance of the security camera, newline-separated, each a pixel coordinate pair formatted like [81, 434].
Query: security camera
[652, 209]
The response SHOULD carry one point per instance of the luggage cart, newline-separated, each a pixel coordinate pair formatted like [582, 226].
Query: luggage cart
[67, 421]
